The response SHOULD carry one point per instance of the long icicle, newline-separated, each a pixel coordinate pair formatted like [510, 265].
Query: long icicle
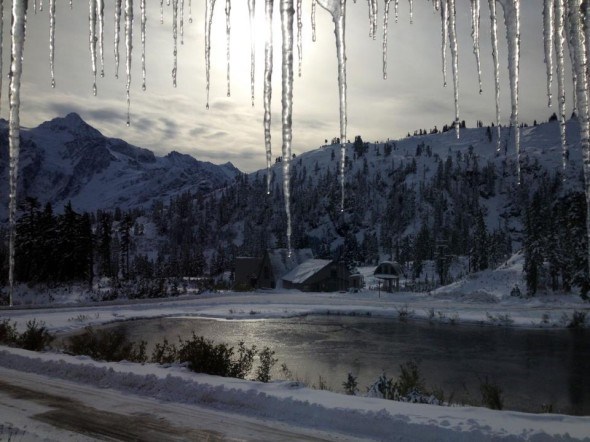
[209, 5]
[411, 11]
[268, 67]
[578, 45]
[118, 8]
[175, 41]
[181, 22]
[512, 21]
[161, 12]
[1, 45]
[475, 19]
[299, 36]
[455, 56]
[568, 34]
[313, 8]
[17, 32]
[287, 13]
[129, 46]
[51, 40]
[444, 20]
[385, 26]
[338, 10]
[92, 39]
[548, 7]
[228, 42]
[494, 36]
[559, 41]
[100, 16]
[371, 12]
[252, 10]
[143, 23]
[190, 11]
[396, 7]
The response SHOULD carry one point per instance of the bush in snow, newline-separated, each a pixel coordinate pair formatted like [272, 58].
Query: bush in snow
[491, 395]
[267, 361]
[578, 319]
[8, 333]
[164, 353]
[106, 345]
[36, 337]
[351, 385]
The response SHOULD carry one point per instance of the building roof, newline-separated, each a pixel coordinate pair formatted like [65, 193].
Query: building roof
[306, 270]
[388, 270]
[282, 263]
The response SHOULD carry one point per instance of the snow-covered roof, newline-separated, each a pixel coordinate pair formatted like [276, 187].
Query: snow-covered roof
[282, 263]
[388, 270]
[306, 270]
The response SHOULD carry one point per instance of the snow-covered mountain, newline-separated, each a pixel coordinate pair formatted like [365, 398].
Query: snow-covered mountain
[66, 159]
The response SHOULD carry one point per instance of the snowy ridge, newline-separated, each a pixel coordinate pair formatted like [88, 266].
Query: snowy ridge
[66, 159]
[289, 402]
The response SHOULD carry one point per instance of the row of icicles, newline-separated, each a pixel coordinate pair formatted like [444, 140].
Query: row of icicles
[566, 23]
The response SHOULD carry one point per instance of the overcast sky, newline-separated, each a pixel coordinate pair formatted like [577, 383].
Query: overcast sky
[164, 118]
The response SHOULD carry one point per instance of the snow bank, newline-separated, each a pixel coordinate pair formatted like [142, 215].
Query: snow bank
[290, 403]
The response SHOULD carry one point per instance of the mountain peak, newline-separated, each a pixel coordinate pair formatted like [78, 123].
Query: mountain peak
[72, 123]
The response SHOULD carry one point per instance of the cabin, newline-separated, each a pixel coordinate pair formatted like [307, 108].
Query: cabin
[318, 275]
[246, 272]
[389, 273]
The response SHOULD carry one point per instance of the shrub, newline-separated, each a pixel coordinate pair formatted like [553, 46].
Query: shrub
[8, 333]
[410, 380]
[164, 353]
[351, 385]
[106, 345]
[491, 395]
[578, 319]
[36, 336]
[267, 361]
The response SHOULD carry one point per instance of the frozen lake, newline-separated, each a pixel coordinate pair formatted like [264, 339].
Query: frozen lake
[533, 367]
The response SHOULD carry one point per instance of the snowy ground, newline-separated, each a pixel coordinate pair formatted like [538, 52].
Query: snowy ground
[313, 413]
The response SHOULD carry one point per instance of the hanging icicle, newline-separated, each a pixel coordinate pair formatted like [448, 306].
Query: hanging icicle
[452, 12]
[299, 37]
[444, 19]
[411, 11]
[51, 39]
[494, 35]
[129, 47]
[385, 26]
[268, 67]
[313, 7]
[181, 24]
[143, 23]
[228, 41]
[338, 10]
[209, 5]
[512, 21]
[1, 46]
[578, 46]
[396, 7]
[190, 11]
[92, 39]
[568, 34]
[371, 12]
[100, 15]
[175, 41]
[118, 8]
[559, 41]
[287, 13]
[161, 12]
[548, 7]
[475, 19]
[17, 32]
[251, 9]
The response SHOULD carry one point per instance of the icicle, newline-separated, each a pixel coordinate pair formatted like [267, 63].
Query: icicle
[559, 41]
[71, 4]
[396, 7]
[190, 11]
[385, 25]
[228, 40]
[411, 11]
[548, 7]
[175, 41]
[268, 66]
[100, 14]
[41, 5]
[338, 10]
[1, 45]
[181, 22]
[19, 19]
[372, 18]
[455, 55]
[92, 22]
[117, 34]
[143, 22]
[251, 9]
[129, 46]
[161, 11]
[512, 21]
[494, 35]
[313, 6]
[475, 17]
[287, 13]
[578, 46]
[444, 19]
[568, 37]
[35, 6]
[299, 39]
[51, 39]
[209, 5]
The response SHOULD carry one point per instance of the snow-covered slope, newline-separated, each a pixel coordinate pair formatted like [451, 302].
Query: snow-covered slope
[66, 159]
